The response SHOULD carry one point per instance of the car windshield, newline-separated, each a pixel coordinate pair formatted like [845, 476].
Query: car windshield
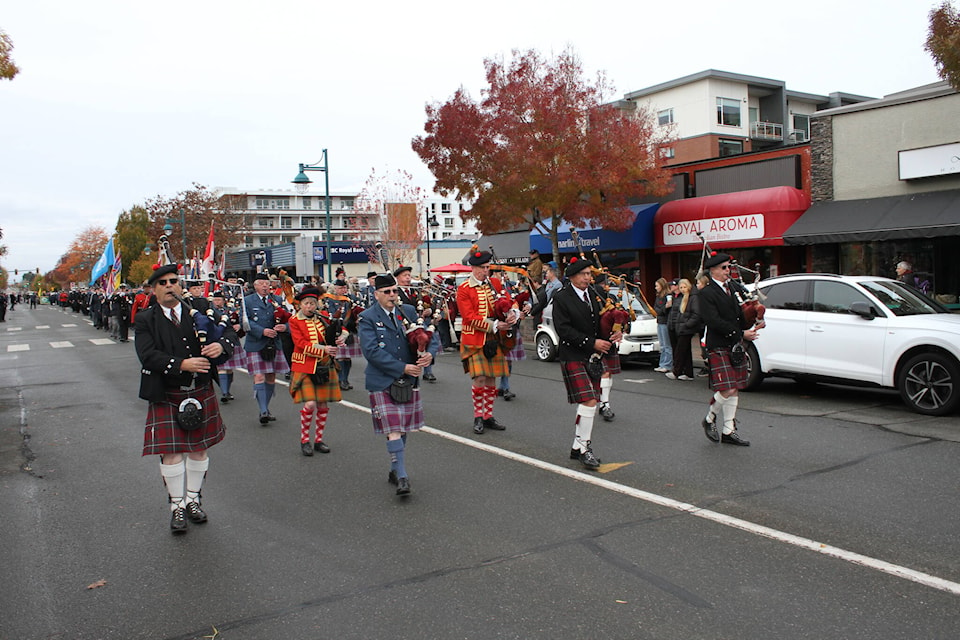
[635, 301]
[901, 299]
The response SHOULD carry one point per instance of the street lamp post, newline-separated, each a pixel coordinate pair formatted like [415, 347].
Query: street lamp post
[431, 222]
[168, 229]
[302, 183]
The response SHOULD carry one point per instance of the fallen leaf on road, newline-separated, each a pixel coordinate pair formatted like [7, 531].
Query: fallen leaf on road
[96, 585]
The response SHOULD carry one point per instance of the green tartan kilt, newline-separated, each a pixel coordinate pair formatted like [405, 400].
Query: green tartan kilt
[477, 364]
[303, 390]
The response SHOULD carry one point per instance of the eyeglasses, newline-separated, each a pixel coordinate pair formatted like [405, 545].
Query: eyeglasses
[163, 281]
[725, 267]
[389, 291]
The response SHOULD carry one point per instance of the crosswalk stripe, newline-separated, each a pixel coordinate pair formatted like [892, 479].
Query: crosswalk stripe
[61, 345]
[18, 347]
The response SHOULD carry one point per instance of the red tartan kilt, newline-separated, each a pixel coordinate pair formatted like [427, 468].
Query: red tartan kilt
[303, 390]
[611, 361]
[162, 433]
[723, 375]
[580, 386]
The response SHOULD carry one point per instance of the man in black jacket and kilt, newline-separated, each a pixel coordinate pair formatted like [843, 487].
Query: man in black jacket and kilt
[725, 329]
[576, 318]
[176, 373]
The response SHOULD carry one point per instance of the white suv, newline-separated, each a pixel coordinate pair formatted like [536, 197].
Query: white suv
[860, 330]
[639, 344]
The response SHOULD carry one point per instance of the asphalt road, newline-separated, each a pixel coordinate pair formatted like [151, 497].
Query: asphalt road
[840, 521]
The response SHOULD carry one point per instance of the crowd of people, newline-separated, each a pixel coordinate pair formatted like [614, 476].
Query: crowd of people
[311, 334]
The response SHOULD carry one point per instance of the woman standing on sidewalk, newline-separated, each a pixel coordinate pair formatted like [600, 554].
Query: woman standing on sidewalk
[662, 309]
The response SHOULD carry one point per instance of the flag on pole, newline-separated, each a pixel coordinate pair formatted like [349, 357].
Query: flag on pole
[209, 267]
[117, 268]
[104, 263]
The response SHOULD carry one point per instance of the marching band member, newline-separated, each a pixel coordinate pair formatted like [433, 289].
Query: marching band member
[389, 359]
[314, 382]
[725, 329]
[176, 373]
[420, 302]
[480, 352]
[239, 358]
[611, 359]
[264, 354]
[341, 305]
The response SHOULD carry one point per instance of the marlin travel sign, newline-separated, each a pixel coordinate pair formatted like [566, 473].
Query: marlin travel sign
[728, 228]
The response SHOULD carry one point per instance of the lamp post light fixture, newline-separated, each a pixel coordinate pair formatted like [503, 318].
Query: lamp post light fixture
[431, 222]
[302, 183]
[168, 229]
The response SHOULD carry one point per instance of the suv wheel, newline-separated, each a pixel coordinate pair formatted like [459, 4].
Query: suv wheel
[546, 350]
[754, 372]
[929, 383]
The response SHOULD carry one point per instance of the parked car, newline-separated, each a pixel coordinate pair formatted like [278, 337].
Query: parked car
[639, 344]
[860, 330]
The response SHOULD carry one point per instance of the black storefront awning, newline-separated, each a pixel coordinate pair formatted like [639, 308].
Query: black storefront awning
[921, 215]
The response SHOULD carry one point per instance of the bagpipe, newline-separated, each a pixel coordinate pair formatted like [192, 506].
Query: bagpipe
[750, 301]
[614, 316]
[505, 308]
[418, 332]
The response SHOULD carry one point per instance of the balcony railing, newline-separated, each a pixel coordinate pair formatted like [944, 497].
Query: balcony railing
[766, 131]
[798, 135]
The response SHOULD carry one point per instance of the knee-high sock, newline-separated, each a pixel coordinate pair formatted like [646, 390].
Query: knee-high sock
[396, 450]
[260, 393]
[269, 386]
[716, 403]
[224, 383]
[345, 365]
[605, 386]
[321, 422]
[196, 472]
[585, 415]
[490, 396]
[479, 394]
[306, 417]
[730, 413]
[173, 475]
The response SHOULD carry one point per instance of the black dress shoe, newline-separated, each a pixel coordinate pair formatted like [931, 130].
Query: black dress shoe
[574, 454]
[224, 399]
[478, 425]
[403, 486]
[271, 417]
[286, 376]
[321, 447]
[344, 386]
[178, 520]
[606, 412]
[195, 513]
[500, 392]
[392, 477]
[589, 460]
[509, 395]
[734, 438]
[229, 396]
[491, 423]
[306, 449]
[710, 428]
[264, 418]
[429, 377]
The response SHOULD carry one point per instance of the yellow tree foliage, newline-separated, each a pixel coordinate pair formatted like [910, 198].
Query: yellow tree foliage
[7, 68]
[943, 42]
[75, 266]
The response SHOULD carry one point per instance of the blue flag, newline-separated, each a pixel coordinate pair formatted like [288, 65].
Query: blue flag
[104, 263]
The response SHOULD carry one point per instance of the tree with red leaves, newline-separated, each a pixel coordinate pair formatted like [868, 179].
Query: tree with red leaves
[543, 147]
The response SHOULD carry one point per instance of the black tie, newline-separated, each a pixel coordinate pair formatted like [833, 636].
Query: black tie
[174, 318]
[264, 300]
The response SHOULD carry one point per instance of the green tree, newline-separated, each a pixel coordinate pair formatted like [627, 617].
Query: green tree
[943, 42]
[7, 68]
[543, 142]
[200, 207]
[133, 234]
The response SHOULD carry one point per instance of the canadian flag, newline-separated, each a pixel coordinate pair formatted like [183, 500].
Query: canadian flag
[208, 267]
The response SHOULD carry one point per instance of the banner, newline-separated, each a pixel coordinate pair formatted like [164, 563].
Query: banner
[104, 263]
[208, 267]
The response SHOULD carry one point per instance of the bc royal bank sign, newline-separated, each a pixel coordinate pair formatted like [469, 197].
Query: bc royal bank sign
[728, 228]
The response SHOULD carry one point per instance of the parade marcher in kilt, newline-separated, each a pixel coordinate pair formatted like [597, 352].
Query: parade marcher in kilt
[239, 357]
[576, 317]
[341, 305]
[175, 368]
[264, 354]
[518, 352]
[423, 304]
[611, 359]
[389, 357]
[725, 327]
[314, 382]
[480, 351]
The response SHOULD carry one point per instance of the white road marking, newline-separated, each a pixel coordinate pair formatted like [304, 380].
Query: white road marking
[42, 326]
[61, 345]
[14, 328]
[101, 340]
[68, 325]
[637, 381]
[18, 347]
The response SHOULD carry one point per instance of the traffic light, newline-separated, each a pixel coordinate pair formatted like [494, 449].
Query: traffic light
[16, 272]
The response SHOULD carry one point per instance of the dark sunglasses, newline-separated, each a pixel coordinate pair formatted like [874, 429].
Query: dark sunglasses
[389, 291]
[725, 267]
[163, 281]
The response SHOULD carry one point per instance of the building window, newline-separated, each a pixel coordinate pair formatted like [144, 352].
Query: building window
[801, 128]
[307, 203]
[730, 147]
[346, 203]
[433, 207]
[273, 203]
[286, 222]
[307, 223]
[264, 242]
[445, 207]
[265, 223]
[349, 222]
[667, 153]
[665, 117]
[448, 223]
[728, 112]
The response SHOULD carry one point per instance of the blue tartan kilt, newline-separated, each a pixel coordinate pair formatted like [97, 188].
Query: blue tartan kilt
[723, 375]
[350, 350]
[257, 366]
[580, 386]
[390, 417]
[518, 352]
[611, 361]
[237, 361]
[164, 435]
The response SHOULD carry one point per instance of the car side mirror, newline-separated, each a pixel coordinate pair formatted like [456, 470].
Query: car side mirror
[863, 310]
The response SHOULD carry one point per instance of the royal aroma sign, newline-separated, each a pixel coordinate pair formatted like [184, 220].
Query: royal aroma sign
[728, 228]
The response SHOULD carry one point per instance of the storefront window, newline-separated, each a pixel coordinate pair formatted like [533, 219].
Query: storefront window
[882, 258]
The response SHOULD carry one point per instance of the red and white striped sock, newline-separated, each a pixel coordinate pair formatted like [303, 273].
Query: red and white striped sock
[306, 415]
[489, 398]
[321, 422]
[479, 395]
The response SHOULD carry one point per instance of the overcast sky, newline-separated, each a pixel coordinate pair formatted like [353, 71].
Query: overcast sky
[119, 101]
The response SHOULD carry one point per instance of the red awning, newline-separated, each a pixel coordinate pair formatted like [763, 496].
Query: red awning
[756, 218]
